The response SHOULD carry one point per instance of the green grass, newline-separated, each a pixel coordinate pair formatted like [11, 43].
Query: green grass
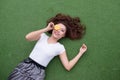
[100, 62]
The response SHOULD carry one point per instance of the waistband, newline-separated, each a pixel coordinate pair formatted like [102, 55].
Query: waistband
[30, 60]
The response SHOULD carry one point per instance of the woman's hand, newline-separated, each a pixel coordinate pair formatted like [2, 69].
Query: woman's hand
[50, 26]
[83, 49]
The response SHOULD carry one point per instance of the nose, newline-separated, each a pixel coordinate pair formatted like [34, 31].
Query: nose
[58, 31]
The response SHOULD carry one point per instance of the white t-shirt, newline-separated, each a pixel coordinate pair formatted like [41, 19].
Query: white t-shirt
[43, 52]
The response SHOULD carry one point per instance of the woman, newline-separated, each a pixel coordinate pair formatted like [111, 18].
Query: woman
[46, 48]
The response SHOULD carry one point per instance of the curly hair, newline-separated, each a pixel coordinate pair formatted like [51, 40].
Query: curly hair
[75, 30]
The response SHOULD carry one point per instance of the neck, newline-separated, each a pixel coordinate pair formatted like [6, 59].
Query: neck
[52, 40]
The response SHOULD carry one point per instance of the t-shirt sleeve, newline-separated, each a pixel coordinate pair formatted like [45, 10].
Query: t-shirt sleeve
[61, 49]
[43, 35]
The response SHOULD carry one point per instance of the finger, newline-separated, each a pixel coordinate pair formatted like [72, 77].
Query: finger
[51, 25]
[84, 46]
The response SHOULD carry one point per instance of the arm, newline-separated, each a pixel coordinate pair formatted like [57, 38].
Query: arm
[69, 64]
[35, 35]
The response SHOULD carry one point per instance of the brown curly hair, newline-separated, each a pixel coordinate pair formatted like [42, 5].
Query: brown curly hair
[75, 30]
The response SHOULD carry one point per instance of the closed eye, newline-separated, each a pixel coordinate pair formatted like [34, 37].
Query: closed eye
[63, 30]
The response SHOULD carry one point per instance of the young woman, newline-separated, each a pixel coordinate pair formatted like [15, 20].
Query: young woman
[46, 48]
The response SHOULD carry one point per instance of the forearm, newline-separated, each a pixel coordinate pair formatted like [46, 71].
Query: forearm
[35, 35]
[72, 62]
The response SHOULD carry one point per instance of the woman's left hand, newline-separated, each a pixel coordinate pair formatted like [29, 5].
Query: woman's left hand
[83, 49]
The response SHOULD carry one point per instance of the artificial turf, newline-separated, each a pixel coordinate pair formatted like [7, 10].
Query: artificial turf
[101, 17]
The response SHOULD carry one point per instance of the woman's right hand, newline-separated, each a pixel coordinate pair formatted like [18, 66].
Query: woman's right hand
[50, 26]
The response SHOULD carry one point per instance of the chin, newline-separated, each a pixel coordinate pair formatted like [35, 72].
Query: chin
[56, 37]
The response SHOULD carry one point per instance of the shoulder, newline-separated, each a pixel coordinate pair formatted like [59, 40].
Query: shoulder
[60, 45]
[43, 36]
[60, 48]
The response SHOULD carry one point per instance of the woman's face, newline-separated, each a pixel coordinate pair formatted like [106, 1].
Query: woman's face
[58, 34]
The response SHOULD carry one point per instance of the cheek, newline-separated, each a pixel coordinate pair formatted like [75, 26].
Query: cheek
[63, 34]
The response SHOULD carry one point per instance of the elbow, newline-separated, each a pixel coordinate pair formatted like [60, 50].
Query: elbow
[68, 68]
[27, 38]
